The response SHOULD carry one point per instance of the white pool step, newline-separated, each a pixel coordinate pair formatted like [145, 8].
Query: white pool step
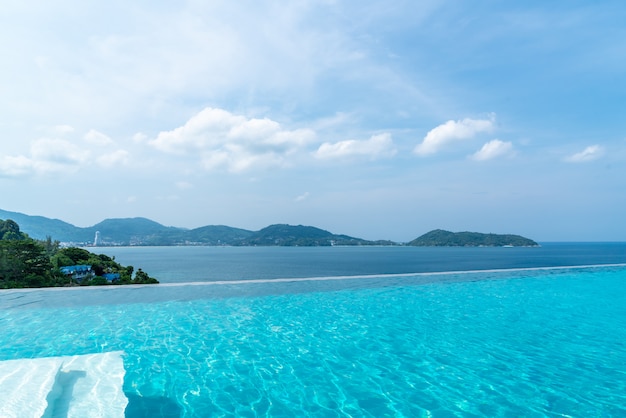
[72, 386]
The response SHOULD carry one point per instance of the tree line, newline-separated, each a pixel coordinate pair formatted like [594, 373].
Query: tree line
[26, 262]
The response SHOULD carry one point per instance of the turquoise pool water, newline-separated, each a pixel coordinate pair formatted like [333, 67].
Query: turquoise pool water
[522, 343]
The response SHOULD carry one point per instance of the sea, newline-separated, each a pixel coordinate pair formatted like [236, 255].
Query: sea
[190, 264]
[337, 332]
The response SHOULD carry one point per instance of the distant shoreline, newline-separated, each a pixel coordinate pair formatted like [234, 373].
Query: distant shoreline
[145, 232]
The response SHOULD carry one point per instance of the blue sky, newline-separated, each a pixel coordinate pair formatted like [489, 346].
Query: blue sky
[381, 120]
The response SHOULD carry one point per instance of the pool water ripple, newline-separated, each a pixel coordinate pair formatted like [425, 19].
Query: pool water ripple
[531, 344]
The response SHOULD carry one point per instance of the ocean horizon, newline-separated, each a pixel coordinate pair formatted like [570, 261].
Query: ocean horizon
[274, 337]
[207, 263]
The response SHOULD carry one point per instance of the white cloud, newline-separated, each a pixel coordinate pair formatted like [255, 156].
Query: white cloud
[119, 157]
[225, 140]
[592, 152]
[451, 131]
[57, 151]
[47, 155]
[493, 149]
[237, 159]
[378, 146]
[97, 138]
[15, 166]
[56, 156]
[338, 119]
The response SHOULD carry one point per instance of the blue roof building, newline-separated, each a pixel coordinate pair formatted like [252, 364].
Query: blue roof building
[111, 277]
[78, 272]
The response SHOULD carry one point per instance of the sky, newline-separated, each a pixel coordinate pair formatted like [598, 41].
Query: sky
[377, 119]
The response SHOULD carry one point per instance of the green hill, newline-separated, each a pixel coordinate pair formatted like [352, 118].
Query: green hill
[39, 227]
[142, 231]
[218, 235]
[303, 236]
[441, 238]
[133, 231]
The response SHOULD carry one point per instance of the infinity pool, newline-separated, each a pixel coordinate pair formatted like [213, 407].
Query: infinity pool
[545, 342]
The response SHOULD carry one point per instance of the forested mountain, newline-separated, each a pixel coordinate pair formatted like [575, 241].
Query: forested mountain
[218, 235]
[142, 231]
[39, 227]
[289, 235]
[441, 238]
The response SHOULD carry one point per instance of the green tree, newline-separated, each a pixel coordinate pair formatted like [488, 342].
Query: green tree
[126, 275]
[24, 263]
[75, 255]
[10, 230]
[52, 247]
[98, 281]
[141, 277]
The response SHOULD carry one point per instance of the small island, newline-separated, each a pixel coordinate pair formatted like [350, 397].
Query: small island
[26, 262]
[442, 238]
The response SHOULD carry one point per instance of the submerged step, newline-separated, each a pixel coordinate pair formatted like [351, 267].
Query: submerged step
[69, 386]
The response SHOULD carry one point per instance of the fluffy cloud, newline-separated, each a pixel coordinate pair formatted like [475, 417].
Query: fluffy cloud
[590, 153]
[451, 131]
[493, 149]
[57, 152]
[15, 166]
[119, 157]
[378, 146]
[237, 159]
[97, 138]
[46, 156]
[225, 140]
[54, 155]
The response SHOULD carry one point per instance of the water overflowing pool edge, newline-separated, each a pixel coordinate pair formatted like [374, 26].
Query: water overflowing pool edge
[315, 279]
